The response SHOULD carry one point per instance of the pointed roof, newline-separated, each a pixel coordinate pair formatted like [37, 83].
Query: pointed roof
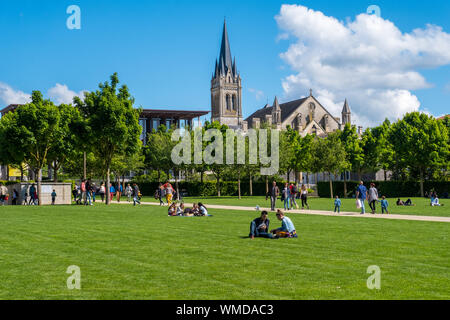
[225, 59]
[346, 108]
[276, 104]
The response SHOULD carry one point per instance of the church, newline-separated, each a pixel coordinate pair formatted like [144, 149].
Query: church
[307, 115]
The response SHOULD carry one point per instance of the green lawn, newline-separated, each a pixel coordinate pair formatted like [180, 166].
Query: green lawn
[422, 206]
[127, 252]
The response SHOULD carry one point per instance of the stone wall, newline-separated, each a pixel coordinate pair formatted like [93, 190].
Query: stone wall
[63, 192]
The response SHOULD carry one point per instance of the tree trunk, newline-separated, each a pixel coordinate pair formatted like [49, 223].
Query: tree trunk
[159, 176]
[331, 185]
[239, 185]
[218, 186]
[288, 176]
[107, 186]
[84, 166]
[251, 185]
[421, 183]
[39, 187]
[359, 174]
[55, 171]
[385, 175]
[345, 184]
[201, 176]
[307, 179]
[176, 186]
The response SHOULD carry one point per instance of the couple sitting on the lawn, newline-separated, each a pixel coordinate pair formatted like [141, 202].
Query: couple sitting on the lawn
[260, 227]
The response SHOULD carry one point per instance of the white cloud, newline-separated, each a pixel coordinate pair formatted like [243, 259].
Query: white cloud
[10, 96]
[367, 60]
[60, 93]
[258, 93]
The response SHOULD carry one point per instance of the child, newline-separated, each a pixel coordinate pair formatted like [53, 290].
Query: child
[53, 197]
[337, 205]
[384, 205]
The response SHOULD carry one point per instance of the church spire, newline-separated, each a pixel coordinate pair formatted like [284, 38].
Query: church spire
[225, 59]
[346, 114]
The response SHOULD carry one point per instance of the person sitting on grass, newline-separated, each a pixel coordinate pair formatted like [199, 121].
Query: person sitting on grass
[180, 209]
[337, 205]
[384, 205]
[202, 209]
[408, 203]
[435, 202]
[260, 227]
[172, 211]
[287, 229]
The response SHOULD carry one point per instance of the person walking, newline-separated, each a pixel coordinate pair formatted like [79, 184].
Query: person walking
[15, 197]
[136, 196]
[129, 192]
[102, 191]
[53, 197]
[83, 192]
[89, 190]
[373, 197]
[119, 191]
[112, 191]
[274, 193]
[361, 196]
[337, 205]
[304, 196]
[3, 193]
[294, 191]
[33, 195]
[287, 197]
[384, 205]
[169, 192]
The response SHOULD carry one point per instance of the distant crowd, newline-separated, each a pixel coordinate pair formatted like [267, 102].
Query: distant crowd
[87, 191]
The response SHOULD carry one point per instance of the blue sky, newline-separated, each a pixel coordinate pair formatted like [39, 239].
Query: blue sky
[165, 50]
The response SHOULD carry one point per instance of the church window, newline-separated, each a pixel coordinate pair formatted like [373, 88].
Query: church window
[228, 102]
[233, 104]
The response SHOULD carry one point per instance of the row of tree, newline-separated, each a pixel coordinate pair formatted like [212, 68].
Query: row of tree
[102, 132]
[103, 125]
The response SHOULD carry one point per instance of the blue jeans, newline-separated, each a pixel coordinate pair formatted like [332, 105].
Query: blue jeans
[88, 198]
[337, 208]
[363, 208]
[255, 233]
[136, 200]
[287, 203]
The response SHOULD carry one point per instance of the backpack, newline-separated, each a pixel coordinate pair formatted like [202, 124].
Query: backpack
[294, 189]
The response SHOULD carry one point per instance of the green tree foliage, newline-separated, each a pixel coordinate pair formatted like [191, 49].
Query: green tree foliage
[421, 143]
[329, 156]
[30, 133]
[112, 123]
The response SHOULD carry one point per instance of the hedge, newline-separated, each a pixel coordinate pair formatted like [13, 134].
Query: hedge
[390, 189]
[209, 188]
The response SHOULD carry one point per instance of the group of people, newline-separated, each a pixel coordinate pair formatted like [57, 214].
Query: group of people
[434, 200]
[259, 228]
[197, 210]
[289, 194]
[371, 195]
[85, 193]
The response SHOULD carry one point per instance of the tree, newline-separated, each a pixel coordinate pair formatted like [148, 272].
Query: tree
[421, 142]
[329, 156]
[354, 151]
[67, 142]
[29, 133]
[112, 123]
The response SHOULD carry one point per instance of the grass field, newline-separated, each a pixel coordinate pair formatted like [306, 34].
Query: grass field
[421, 208]
[127, 252]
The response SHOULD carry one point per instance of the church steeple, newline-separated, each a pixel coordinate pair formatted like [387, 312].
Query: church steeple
[346, 114]
[225, 59]
[226, 89]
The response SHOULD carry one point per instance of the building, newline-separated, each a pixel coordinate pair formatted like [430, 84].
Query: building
[306, 115]
[226, 87]
[151, 119]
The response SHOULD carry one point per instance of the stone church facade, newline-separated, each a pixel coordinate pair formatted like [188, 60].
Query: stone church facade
[307, 115]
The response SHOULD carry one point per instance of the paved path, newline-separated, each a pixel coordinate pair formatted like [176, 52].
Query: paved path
[329, 213]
